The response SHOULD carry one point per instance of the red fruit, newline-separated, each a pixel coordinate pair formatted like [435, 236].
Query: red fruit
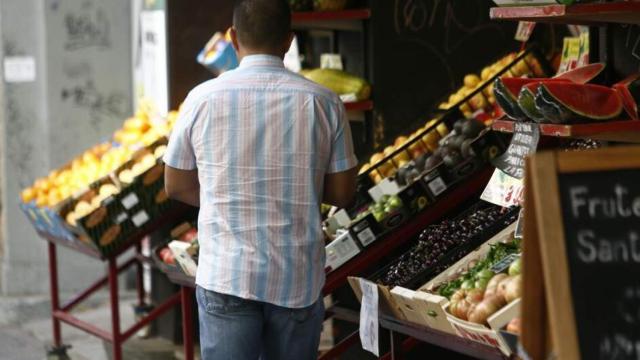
[189, 235]
[166, 255]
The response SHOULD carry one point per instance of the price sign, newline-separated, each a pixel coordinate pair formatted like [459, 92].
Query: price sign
[369, 317]
[582, 255]
[503, 190]
[523, 143]
[525, 28]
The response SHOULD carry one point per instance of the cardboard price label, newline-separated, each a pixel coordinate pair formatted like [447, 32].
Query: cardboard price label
[523, 143]
[504, 190]
[525, 28]
[369, 317]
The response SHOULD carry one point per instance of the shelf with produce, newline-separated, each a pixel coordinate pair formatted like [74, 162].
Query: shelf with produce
[624, 12]
[621, 131]
[364, 105]
[313, 16]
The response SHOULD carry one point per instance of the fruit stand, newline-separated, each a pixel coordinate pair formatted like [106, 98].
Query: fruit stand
[445, 263]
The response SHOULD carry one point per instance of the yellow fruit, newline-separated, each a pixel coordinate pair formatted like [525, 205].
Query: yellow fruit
[53, 198]
[83, 209]
[431, 140]
[375, 158]
[28, 195]
[159, 151]
[442, 129]
[107, 190]
[364, 168]
[41, 200]
[71, 218]
[126, 176]
[400, 140]
[388, 150]
[486, 73]
[471, 81]
[401, 157]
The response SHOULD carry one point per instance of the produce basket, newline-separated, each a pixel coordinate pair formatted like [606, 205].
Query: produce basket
[161, 265]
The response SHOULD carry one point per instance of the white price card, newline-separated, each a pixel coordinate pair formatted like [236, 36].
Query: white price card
[504, 190]
[369, 317]
[525, 28]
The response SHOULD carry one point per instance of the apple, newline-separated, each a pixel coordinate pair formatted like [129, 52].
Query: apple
[166, 255]
[189, 235]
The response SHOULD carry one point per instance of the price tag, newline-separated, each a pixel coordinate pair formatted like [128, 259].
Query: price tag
[437, 186]
[369, 317]
[523, 143]
[525, 28]
[331, 61]
[504, 264]
[130, 201]
[366, 236]
[504, 190]
[140, 218]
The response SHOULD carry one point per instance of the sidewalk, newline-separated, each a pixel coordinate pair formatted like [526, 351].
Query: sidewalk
[26, 331]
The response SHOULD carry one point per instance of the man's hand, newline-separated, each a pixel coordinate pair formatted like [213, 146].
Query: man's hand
[340, 187]
[182, 185]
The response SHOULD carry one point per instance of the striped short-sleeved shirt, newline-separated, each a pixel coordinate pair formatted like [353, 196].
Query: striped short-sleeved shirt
[262, 139]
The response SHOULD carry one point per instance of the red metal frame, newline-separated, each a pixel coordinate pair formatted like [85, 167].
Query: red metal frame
[62, 313]
[309, 16]
[364, 105]
[588, 14]
[623, 130]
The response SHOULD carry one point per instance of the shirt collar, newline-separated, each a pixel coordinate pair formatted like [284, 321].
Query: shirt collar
[261, 61]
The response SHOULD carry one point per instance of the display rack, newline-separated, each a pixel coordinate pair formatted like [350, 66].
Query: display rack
[62, 312]
[623, 12]
[622, 131]
[365, 260]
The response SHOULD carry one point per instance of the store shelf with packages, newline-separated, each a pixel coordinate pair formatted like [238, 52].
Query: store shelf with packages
[621, 131]
[624, 12]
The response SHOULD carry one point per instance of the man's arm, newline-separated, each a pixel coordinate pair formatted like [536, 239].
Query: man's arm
[340, 187]
[182, 185]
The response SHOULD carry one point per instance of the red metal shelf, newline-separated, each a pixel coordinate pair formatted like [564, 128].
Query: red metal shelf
[364, 105]
[622, 131]
[624, 12]
[311, 16]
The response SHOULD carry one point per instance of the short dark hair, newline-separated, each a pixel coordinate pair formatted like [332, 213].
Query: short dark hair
[262, 24]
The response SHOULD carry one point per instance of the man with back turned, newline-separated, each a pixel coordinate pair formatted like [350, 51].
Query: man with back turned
[258, 150]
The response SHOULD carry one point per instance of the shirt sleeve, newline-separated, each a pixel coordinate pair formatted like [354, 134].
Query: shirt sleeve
[180, 153]
[342, 156]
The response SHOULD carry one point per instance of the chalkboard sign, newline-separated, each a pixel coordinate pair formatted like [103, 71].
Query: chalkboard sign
[423, 49]
[524, 142]
[582, 232]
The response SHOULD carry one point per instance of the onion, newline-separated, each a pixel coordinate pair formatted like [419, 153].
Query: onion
[514, 326]
[513, 289]
[486, 308]
[502, 286]
[493, 284]
[460, 309]
[475, 296]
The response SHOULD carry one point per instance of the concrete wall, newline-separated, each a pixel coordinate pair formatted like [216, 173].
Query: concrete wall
[82, 92]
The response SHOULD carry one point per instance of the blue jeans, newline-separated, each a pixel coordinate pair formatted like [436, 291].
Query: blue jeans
[232, 328]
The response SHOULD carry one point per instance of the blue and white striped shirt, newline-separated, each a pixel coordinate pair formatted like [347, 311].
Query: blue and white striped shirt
[262, 139]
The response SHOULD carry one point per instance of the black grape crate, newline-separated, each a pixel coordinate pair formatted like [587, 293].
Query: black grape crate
[414, 197]
[366, 230]
[454, 254]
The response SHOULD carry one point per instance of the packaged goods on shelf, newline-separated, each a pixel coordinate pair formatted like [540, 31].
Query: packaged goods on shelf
[340, 82]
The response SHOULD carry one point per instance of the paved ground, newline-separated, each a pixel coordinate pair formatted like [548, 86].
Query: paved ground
[25, 335]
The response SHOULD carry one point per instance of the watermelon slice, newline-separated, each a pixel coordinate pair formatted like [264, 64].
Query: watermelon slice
[527, 102]
[629, 90]
[563, 101]
[507, 89]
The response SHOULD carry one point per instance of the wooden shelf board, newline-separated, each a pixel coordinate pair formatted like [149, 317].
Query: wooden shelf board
[623, 130]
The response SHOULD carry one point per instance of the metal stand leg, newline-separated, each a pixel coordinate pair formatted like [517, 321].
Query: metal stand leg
[55, 300]
[186, 297]
[139, 277]
[115, 311]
